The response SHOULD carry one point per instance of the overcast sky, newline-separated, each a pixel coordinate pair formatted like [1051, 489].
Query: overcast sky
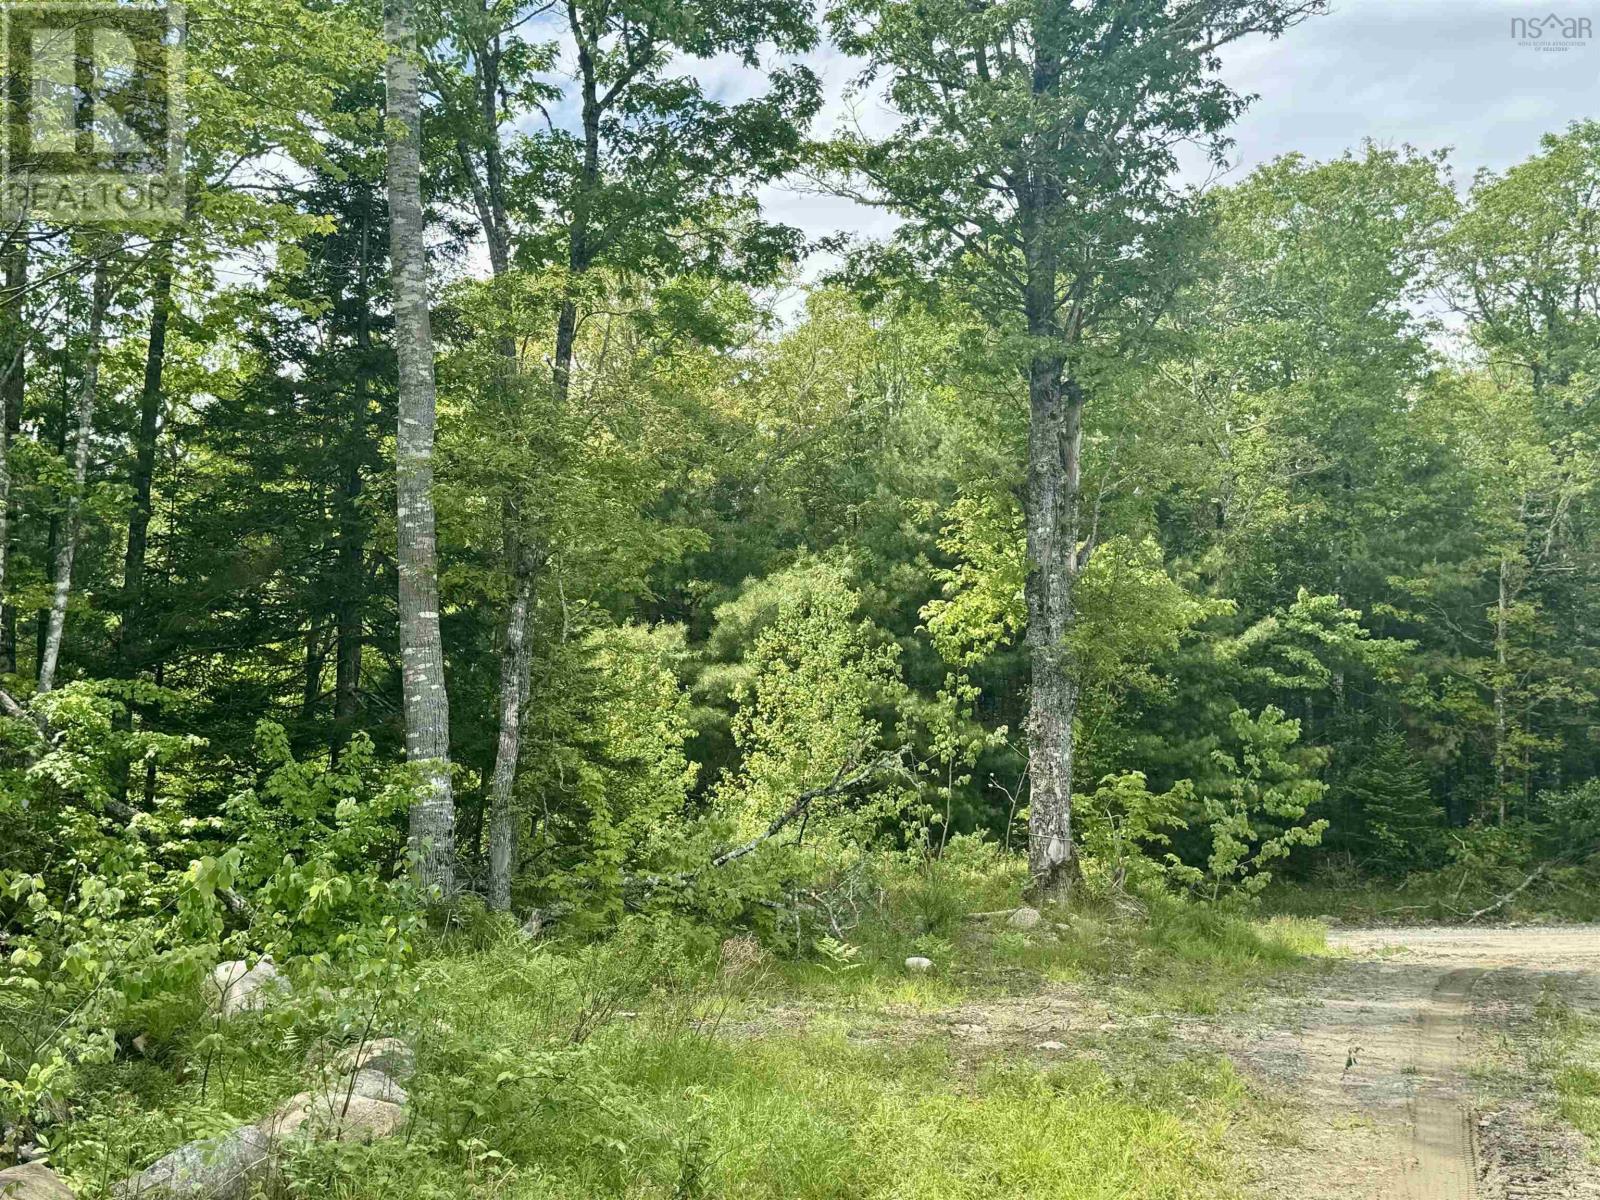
[1432, 73]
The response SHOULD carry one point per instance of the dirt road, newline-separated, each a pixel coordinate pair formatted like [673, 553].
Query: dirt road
[1408, 1068]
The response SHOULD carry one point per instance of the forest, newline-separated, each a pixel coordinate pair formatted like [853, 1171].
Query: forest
[543, 617]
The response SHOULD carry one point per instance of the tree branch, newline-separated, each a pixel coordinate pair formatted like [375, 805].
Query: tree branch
[850, 775]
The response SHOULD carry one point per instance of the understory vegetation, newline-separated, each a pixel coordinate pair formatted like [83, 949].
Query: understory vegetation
[668, 1061]
[481, 561]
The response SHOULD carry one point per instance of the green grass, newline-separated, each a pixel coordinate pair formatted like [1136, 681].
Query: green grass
[1174, 957]
[1568, 1052]
[671, 1103]
[640, 1067]
[1159, 954]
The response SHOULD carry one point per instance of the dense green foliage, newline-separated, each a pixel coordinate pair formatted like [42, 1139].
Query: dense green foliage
[1339, 624]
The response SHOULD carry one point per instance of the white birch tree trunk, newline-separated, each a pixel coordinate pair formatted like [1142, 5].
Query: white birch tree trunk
[66, 548]
[514, 666]
[427, 708]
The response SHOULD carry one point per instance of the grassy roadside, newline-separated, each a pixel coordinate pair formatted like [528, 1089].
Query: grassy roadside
[1568, 1053]
[667, 1062]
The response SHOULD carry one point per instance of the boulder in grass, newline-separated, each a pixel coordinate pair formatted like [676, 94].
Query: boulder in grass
[237, 987]
[1024, 918]
[225, 1168]
[32, 1181]
[390, 1055]
[370, 1085]
[335, 1114]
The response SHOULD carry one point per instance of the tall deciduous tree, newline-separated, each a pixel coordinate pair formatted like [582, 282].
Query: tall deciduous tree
[1034, 159]
[67, 543]
[659, 175]
[427, 706]
[13, 373]
[1525, 261]
[485, 80]
[656, 181]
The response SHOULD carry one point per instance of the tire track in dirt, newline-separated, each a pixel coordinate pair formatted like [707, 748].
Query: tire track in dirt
[1440, 1163]
[1374, 1069]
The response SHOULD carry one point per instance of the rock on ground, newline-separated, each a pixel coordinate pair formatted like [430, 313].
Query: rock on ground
[335, 1114]
[218, 1168]
[389, 1055]
[238, 987]
[365, 1103]
[1024, 918]
[33, 1181]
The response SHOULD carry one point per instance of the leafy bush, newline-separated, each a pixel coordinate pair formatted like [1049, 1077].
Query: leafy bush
[1250, 818]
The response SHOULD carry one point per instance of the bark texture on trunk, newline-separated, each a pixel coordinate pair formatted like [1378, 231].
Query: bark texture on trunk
[515, 663]
[133, 634]
[67, 544]
[514, 666]
[1054, 443]
[15, 366]
[427, 709]
[489, 197]
[1501, 721]
[1051, 511]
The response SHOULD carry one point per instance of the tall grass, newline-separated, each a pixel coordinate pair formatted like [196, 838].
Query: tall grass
[658, 1063]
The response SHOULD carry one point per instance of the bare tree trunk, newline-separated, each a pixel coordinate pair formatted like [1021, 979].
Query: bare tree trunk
[514, 666]
[427, 707]
[1501, 724]
[15, 366]
[67, 546]
[132, 633]
[1051, 512]
[489, 197]
[352, 533]
[131, 638]
[1054, 443]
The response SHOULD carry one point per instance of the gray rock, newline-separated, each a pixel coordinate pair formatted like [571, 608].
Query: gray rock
[237, 987]
[1023, 918]
[363, 1104]
[335, 1114]
[222, 1168]
[371, 1085]
[919, 964]
[33, 1181]
[390, 1055]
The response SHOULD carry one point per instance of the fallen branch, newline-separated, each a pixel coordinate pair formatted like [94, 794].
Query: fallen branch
[1512, 894]
[837, 786]
[1576, 854]
[113, 807]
